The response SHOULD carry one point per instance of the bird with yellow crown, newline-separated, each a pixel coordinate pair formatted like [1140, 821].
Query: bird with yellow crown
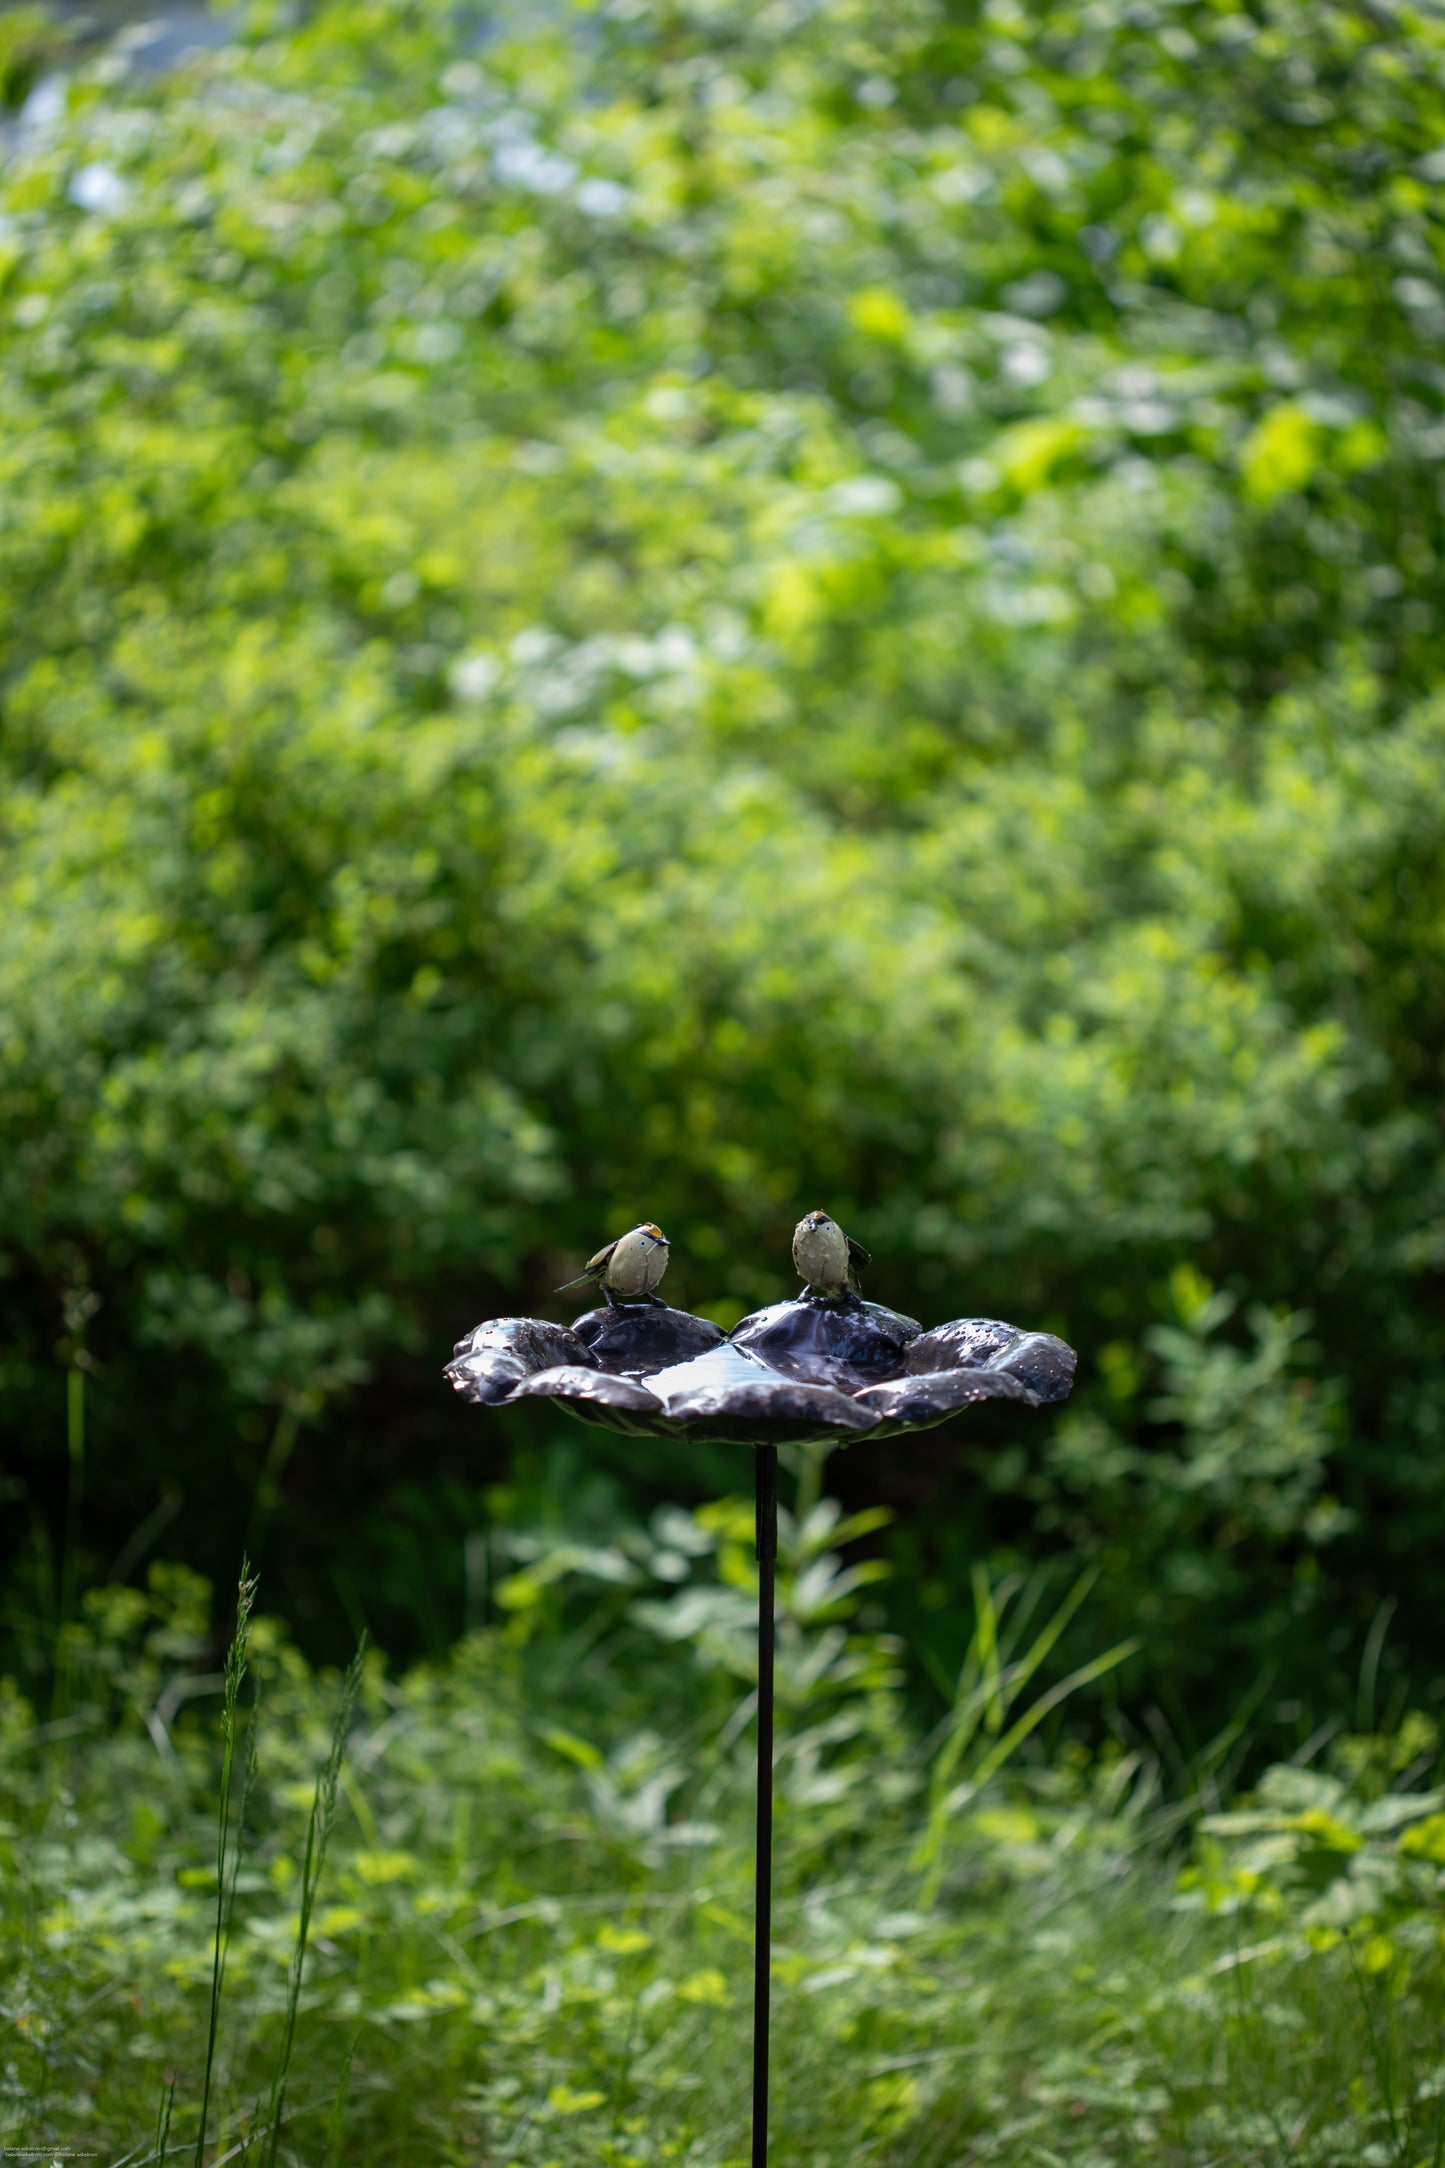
[628, 1269]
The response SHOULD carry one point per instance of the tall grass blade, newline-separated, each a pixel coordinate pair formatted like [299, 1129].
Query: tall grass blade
[1370, 1664]
[984, 1685]
[248, 1787]
[986, 1636]
[1034, 1715]
[946, 1803]
[163, 2122]
[228, 1854]
[946, 1799]
[318, 1837]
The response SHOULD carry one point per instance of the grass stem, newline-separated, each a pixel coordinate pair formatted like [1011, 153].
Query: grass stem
[318, 1837]
[228, 1853]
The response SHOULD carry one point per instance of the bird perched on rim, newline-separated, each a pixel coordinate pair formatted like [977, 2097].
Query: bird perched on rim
[628, 1269]
[827, 1259]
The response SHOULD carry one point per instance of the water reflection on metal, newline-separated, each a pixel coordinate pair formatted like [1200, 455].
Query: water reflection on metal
[721, 1366]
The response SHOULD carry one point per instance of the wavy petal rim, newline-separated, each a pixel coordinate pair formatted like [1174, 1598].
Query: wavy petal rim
[912, 1402]
[491, 1361]
[570, 1381]
[816, 1370]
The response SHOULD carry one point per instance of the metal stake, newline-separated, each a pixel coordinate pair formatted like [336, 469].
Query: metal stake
[767, 1543]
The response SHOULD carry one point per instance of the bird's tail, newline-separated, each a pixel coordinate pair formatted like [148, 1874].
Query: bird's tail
[588, 1279]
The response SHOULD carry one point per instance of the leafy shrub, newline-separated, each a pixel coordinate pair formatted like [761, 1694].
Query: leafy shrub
[704, 613]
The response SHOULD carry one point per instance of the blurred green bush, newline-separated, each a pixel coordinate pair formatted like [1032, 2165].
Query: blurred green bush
[690, 611]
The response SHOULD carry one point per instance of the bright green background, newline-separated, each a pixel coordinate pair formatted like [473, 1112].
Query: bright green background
[687, 611]
[701, 611]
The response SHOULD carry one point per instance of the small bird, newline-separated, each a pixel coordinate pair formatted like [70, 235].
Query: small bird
[630, 1267]
[827, 1259]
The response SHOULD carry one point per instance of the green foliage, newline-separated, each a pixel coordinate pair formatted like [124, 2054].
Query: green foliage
[531, 1939]
[1225, 1513]
[685, 611]
[30, 41]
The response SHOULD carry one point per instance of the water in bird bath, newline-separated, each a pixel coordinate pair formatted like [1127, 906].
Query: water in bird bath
[720, 1366]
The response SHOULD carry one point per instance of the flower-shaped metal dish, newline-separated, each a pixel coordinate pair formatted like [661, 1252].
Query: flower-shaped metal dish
[817, 1370]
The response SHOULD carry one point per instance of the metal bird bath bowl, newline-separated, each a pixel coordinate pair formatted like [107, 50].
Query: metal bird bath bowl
[820, 1370]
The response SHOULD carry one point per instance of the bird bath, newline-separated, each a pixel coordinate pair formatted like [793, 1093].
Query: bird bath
[818, 1370]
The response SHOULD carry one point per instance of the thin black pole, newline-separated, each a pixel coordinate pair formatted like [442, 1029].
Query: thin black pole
[767, 1539]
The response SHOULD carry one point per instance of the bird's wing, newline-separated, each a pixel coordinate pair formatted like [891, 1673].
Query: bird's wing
[596, 1266]
[857, 1256]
